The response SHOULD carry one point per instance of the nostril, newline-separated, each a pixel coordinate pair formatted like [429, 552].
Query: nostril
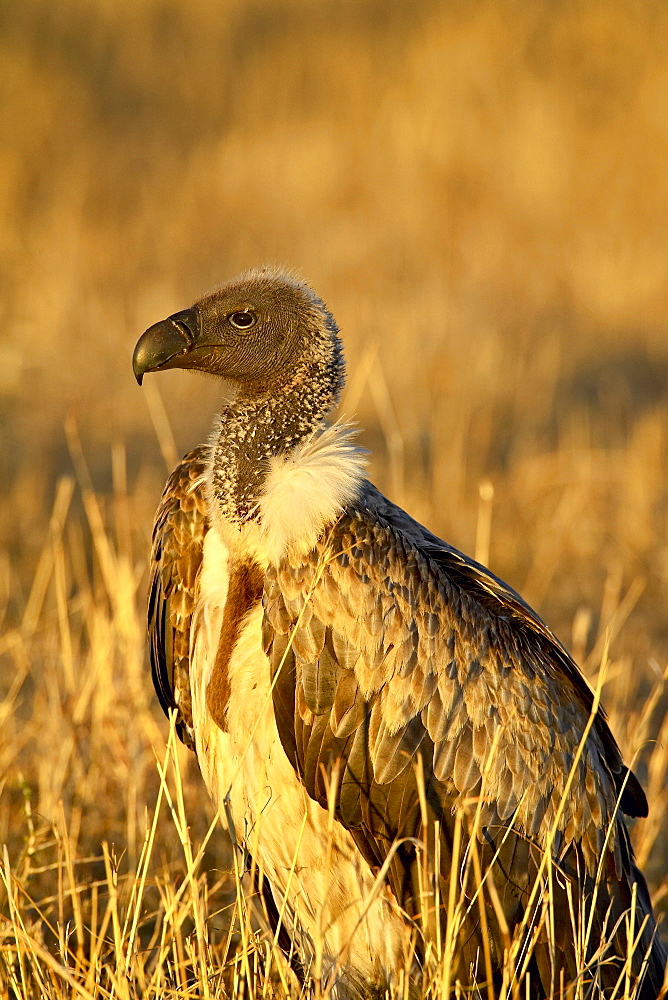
[186, 322]
[184, 330]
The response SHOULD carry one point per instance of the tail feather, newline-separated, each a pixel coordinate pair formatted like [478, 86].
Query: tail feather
[650, 950]
[599, 931]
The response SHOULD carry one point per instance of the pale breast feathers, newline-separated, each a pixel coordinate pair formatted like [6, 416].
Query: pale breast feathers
[176, 556]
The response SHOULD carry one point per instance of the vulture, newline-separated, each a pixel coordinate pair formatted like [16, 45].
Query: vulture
[420, 773]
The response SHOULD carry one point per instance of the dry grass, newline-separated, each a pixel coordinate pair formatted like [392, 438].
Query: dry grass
[479, 191]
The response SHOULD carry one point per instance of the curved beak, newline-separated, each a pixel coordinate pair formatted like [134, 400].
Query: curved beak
[166, 341]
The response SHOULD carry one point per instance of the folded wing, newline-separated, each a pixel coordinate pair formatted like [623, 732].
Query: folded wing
[422, 685]
[176, 557]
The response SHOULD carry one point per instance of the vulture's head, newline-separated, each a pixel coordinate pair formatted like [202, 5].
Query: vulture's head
[261, 330]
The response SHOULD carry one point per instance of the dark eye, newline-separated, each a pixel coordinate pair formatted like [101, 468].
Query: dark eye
[243, 320]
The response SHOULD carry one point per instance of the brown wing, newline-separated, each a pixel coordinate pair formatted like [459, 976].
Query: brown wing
[390, 650]
[529, 633]
[176, 556]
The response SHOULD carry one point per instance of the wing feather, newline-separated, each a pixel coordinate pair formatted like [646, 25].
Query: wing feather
[176, 556]
[399, 655]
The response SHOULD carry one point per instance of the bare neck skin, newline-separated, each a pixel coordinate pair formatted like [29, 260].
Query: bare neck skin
[266, 422]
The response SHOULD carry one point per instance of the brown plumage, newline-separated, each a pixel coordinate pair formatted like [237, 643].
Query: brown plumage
[176, 556]
[324, 649]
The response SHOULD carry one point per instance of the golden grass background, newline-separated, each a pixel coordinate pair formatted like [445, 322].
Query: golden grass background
[479, 191]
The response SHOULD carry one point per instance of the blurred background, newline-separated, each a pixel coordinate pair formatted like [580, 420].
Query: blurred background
[478, 190]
